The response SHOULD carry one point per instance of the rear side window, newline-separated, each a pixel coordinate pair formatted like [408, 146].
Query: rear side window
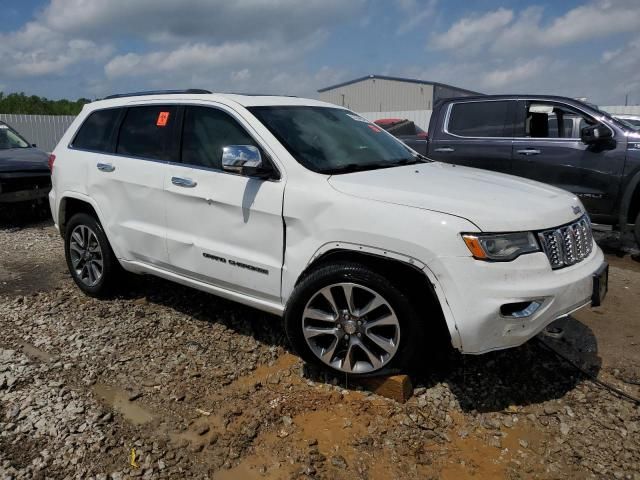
[482, 119]
[148, 132]
[96, 133]
[205, 132]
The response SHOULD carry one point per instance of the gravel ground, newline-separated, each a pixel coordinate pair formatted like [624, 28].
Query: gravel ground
[168, 382]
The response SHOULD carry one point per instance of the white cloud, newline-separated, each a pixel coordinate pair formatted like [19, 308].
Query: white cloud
[472, 32]
[417, 14]
[213, 43]
[504, 32]
[514, 74]
[195, 20]
[200, 58]
[37, 50]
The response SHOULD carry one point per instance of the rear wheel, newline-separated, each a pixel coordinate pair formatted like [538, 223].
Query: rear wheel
[350, 319]
[90, 260]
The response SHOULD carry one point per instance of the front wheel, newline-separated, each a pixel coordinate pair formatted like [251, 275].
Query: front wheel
[352, 320]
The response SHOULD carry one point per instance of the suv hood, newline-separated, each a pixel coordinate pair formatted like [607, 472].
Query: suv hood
[23, 160]
[494, 202]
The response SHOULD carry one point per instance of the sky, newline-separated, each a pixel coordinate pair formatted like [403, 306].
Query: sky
[92, 48]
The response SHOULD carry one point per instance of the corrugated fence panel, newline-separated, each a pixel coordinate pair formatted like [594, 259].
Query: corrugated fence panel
[622, 109]
[419, 117]
[43, 130]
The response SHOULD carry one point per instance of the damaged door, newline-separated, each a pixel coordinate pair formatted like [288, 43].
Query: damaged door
[223, 228]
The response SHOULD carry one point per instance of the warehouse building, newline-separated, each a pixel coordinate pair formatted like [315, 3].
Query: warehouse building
[377, 93]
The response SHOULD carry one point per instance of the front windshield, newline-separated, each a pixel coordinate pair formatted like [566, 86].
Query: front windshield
[10, 139]
[333, 140]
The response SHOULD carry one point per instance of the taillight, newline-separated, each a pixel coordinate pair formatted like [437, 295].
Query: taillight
[52, 158]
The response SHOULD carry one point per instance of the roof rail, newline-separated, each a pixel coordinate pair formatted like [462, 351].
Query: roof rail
[249, 94]
[157, 92]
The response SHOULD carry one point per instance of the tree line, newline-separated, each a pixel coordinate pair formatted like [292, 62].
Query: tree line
[34, 105]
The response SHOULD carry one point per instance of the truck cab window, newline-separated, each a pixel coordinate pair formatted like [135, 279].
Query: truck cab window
[547, 120]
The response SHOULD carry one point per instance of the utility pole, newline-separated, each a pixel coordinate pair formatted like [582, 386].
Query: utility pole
[626, 100]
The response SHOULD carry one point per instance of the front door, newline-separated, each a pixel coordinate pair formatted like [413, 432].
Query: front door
[223, 228]
[476, 134]
[547, 148]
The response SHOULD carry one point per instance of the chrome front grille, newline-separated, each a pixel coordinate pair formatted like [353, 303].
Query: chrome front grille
[568, 245]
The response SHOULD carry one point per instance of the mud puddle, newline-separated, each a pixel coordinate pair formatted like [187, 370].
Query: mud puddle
[118, 399]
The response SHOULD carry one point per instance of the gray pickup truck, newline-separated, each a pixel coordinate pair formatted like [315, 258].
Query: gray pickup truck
[555, 140]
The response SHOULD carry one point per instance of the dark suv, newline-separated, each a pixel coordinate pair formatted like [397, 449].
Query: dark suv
[555, 140]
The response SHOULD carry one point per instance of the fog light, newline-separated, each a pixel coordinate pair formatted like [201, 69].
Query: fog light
[520, 309]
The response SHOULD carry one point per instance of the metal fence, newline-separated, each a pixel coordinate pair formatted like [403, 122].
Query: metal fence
[43, 130]
[622, 109]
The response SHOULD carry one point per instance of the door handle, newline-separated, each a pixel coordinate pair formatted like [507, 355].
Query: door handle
[183, 182]
[105, 167]
[444, 149]
[529, 151]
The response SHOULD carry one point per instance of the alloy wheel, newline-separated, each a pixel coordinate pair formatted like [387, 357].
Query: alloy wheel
[351, 328]
[86, 255]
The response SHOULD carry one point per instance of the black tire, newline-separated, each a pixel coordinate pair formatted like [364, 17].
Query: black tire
[411, 325]
[111, 271]
[636, 230]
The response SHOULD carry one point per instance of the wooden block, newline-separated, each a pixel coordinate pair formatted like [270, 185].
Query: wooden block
[396, 387]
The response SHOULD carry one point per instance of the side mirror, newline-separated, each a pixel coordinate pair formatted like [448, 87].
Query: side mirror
[597, 133]
[34, 145]
[242, 159]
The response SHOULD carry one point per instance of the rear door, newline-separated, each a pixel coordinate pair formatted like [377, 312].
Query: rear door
[224, 228]
[475, 133]
[128, 182]
[548, 148]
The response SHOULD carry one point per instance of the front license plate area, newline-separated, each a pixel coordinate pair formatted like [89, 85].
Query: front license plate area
[600, 285]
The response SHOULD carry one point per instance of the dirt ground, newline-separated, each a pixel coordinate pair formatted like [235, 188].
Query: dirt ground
[168, 382]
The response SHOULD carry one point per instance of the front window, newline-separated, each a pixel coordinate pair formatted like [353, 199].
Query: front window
[332, 140]
[542, 121]
[10, 139]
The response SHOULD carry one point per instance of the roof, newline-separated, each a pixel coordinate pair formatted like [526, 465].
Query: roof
[225, 98]
[517, 96]
[395, 79]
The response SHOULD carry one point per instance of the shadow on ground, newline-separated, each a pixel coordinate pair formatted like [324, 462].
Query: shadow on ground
[520, 376]
[491, 382]
[22, 215]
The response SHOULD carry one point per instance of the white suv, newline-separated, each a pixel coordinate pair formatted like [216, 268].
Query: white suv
[370, 251]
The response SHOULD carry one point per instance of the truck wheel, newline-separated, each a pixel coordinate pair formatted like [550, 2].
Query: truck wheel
[89, 256]
[352, 320]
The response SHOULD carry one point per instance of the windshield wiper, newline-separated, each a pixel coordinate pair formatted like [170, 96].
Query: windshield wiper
[359, 167]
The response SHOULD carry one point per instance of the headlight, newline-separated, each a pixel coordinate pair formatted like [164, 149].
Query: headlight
[500, 246]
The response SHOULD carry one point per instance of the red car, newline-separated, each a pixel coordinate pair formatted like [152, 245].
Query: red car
[407, 131]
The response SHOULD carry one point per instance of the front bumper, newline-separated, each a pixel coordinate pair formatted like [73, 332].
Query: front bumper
[476, 291]
[24, 187]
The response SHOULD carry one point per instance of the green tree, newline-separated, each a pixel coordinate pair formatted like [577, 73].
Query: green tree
[34, 105]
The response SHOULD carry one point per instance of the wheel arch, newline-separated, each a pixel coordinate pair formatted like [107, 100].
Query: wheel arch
[405, 270]
[630, 205]
[72, 203]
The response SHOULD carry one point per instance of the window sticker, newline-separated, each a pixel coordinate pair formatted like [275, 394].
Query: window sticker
[4, 127]
[163, 119]
[357, 118]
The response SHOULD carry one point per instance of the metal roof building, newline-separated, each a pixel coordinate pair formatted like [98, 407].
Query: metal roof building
[378, 93]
